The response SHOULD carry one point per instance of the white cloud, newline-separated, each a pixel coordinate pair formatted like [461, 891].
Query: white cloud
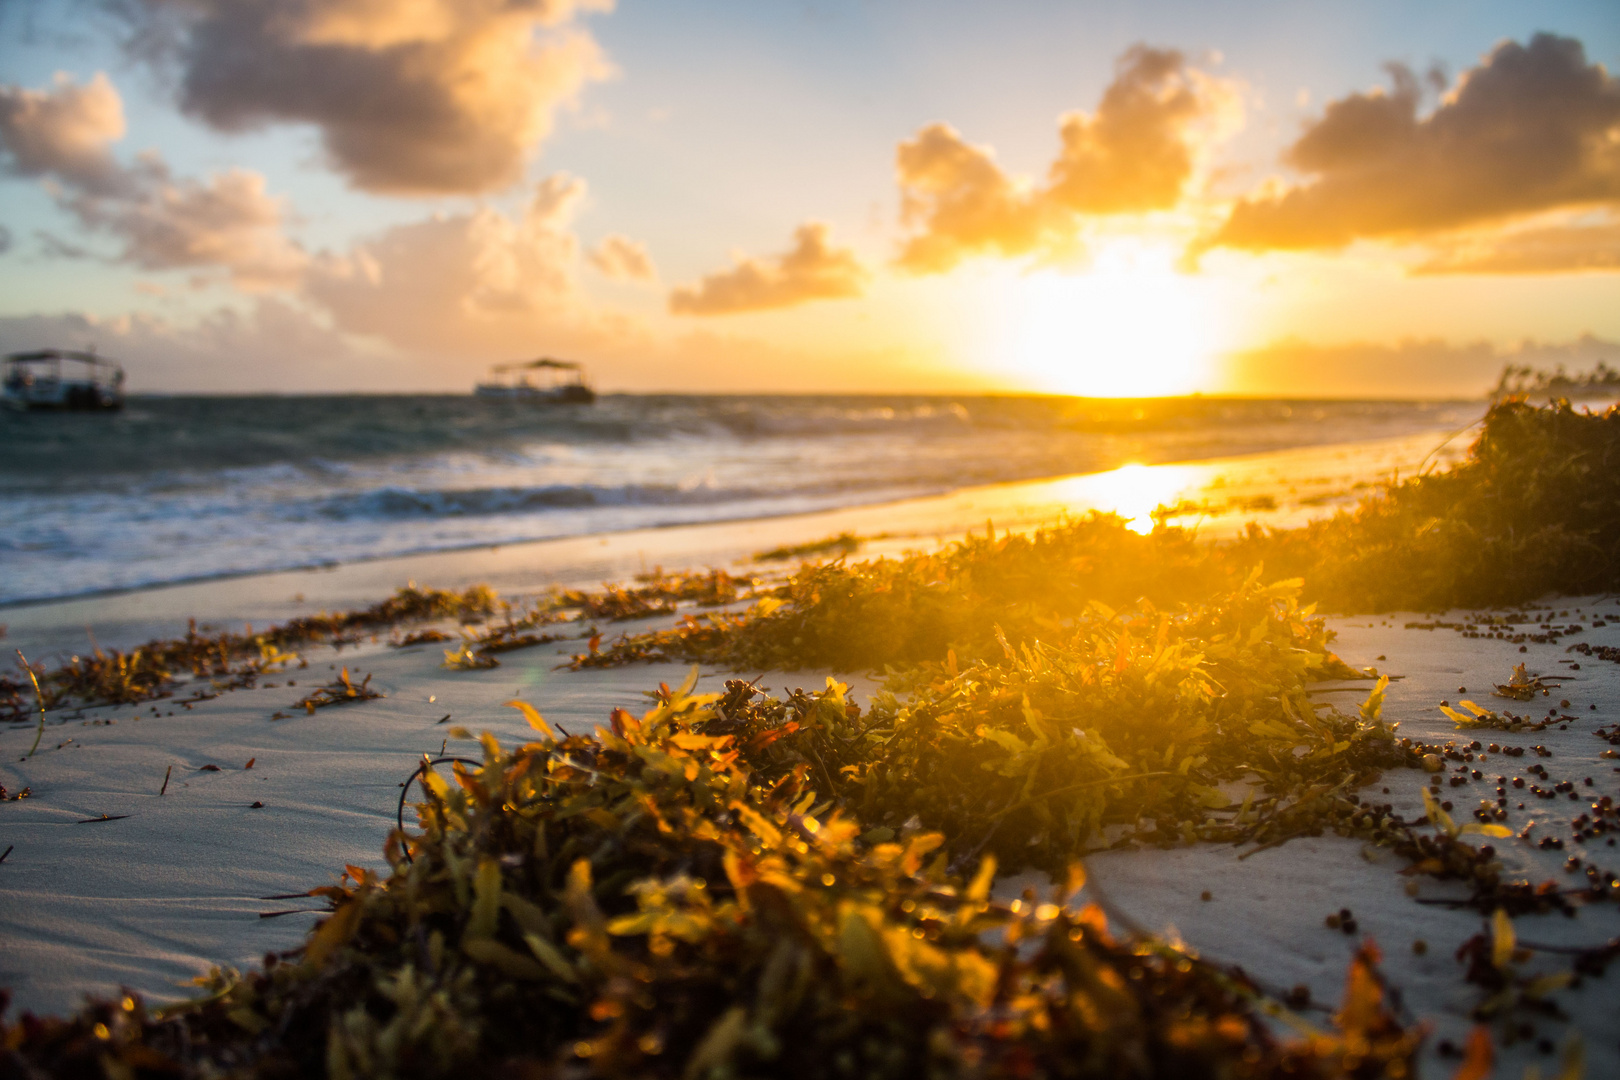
[475, 283]
[64, 134]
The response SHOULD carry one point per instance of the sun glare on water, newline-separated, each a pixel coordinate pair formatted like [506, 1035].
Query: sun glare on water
[1130, 326]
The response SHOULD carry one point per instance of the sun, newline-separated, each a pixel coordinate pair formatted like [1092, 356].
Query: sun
[1129, 326]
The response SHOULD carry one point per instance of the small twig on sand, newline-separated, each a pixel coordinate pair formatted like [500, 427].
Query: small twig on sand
[6, 852]
[38, 696]
[165, 786]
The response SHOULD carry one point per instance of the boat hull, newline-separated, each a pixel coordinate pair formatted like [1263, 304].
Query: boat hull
[571, 394]
[68, 398]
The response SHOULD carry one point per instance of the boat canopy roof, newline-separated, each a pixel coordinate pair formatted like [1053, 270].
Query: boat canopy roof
[42, 356]
[543, 362]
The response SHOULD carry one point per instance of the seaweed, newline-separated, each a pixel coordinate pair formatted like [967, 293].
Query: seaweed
[341, 691]
[740, 884]
[913, 609]
[656, 593]
[642, 904]
[1525, 381]
[1533, 510]
[845, 543]
[1132, 717]
[156, 669]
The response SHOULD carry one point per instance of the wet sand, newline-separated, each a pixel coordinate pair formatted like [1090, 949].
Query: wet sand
[1282, 488]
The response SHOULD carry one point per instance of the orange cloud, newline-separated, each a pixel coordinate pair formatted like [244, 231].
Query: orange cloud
[813, 270]
[421, 96]
[966, 204]
[1532, 128]
[1550, 249]
[622, 259]
[1137, 153]
[65, 134]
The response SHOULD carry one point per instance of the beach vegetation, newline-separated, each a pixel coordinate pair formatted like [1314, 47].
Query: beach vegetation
[741, 883]
[225, 658]
[641, 903]
[1533, 510]
[341, 691]
[228, 659]
[845, 543]
[1524, 381]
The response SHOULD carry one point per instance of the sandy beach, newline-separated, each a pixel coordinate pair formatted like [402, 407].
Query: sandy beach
[172, 884]
[583, 541]
[161, 840]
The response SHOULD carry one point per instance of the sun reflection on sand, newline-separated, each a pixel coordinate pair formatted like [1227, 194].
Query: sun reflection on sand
[1133, 491]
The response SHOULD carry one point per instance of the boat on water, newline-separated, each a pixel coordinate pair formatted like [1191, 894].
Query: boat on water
[61, 380]
[562, 383]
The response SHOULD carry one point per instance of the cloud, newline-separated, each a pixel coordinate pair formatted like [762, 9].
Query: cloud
[966, 204]
[418, 97]
[64, 135]
[622, 259]
[1532, 128]
[65, 131]
[1136, 153]
[472, 283]
[227, 221]
[1552, 249]
[813, 270]
[271, 345]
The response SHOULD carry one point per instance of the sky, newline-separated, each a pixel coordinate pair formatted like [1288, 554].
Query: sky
[1117, 199]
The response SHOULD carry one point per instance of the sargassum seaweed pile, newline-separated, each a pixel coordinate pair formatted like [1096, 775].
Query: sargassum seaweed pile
[642, 903]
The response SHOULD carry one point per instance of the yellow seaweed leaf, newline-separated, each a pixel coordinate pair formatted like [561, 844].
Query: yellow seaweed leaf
[514, 964]
[1502, 939]
[532, 715]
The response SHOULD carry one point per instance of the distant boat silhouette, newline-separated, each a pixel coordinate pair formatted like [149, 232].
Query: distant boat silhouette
[510, 382]
[62, 380]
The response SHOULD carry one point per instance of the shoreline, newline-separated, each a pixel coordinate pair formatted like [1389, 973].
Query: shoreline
[129, 617]
[859, 504]
[204, 815]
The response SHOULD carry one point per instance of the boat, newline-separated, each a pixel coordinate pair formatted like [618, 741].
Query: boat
[564, 385]
[62, 380]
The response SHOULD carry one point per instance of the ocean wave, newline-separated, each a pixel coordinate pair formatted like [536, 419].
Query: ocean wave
[179, 489]
[396, 503]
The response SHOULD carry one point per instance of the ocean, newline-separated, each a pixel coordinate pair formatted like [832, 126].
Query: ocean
[177, 489]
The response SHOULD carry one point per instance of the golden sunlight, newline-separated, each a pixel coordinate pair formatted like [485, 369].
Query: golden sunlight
[1132, 491]
[1130, 326]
